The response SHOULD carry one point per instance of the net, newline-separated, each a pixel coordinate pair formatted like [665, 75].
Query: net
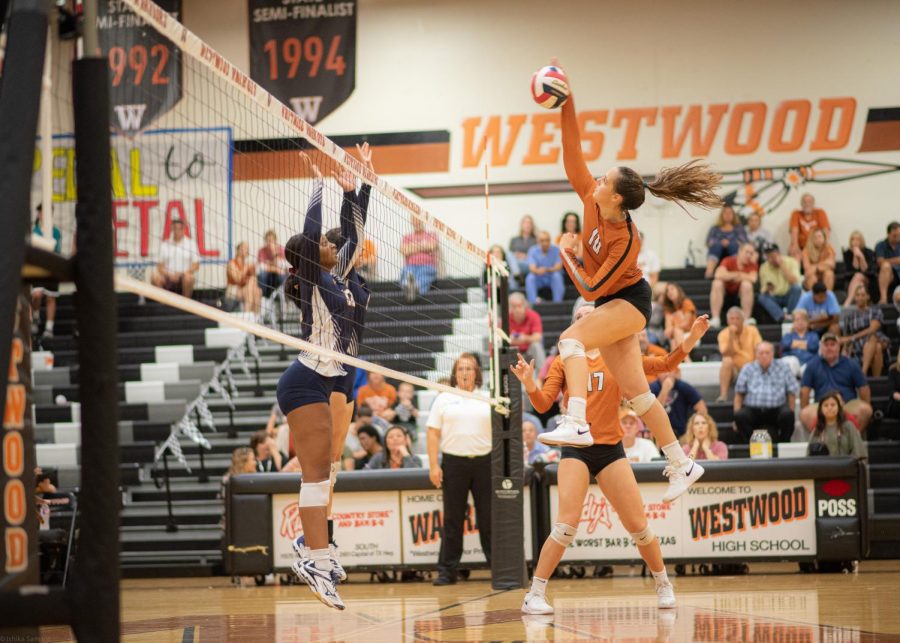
[196, 141]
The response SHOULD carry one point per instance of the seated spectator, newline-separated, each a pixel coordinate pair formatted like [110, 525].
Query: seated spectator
[861, 334]
[378, 395]
[779, 283]
[526, 331]
[268, 457]
[887, 256]
[701, 439]
[498, 255]
[831, 371]
[571, 222]
[757, 235]
[723, 240]
[733, 283]
[366, 260]
[648, 262]
[800, 345]
[420, 259]
[819, 261]
[545, 270]
[370, 441]
[765, 395]
[860, 265]
[520, 245]
[179, 260]
[395, 454]
[678, 398]
[242, 461]
[535, 420]
[833, 430]
[656, 327]
[803, 222]
[637, 449]
[241, 288]
[680, 314]
[404, 412]
[270, 264]
[533, 450]
[822, 307]
[737, 343]
[649, 349]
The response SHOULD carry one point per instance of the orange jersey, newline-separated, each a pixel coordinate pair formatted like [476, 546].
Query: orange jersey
[604, 396]
[610, 248]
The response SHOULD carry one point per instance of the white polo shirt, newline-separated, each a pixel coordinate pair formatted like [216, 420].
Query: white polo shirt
[641, 451]
[465, 424]
[178, 257]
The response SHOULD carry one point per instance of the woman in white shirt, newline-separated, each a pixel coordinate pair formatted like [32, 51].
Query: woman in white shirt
[460, 429]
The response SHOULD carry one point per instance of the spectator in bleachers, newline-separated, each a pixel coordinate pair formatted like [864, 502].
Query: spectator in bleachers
[819, 260]
[860, 266]
[521, 244]
[637, 449]
[737, 343]
[822, 307]
[378, 395]
[533, 450]
[271, 264]
[370, 441]
[395, 454]
[759, 236]
[733, 284]
[701, 439]
[656, 327]
[545, 270]
[526, 330]
[765, 395]
[241, 288]
[680, 314]
[800, 345]
[887, 256]
[648, 262]
[268, 457]
[834, 431]
[803, 222]
[571, 223]
[498, 255]
[779, 283]
[678, 398]
[831, 371]
[45, 287]
[179, 260]
[420, 259]
[861, 334]
[243, 460]
[404, 412]
[724, 239]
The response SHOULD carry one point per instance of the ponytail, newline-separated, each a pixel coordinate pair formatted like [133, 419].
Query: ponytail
[694, 183]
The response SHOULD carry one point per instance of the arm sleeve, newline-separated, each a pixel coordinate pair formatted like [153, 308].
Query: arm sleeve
[542, 399]
[741, 385]
[365, 193]
[881, 250]
[720, 449]
[310, 263]
[605, 279]
[655, 365]
[792, 386]
[824, 222]
[857, 448]
[573, 158]
[693, 395]
[352, 228]
[807, 380]
[831, 305]
[859, 379]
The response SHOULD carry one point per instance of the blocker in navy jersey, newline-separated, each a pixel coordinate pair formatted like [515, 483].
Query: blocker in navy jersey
[355, 282]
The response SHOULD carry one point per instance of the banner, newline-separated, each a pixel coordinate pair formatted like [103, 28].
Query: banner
[711, 520]
[304, 53]
[145, 70]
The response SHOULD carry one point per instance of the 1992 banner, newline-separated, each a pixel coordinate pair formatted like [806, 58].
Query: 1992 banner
[304, 53]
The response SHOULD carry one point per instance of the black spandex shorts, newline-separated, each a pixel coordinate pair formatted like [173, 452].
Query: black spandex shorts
[638, 295]
[597, 456]
[300, 385]
[345, 384]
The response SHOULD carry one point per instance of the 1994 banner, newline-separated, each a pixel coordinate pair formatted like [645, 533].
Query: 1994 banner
[304, 53]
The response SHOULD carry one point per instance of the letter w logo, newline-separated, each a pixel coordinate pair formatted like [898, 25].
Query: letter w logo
[307, 107]
[130, 116]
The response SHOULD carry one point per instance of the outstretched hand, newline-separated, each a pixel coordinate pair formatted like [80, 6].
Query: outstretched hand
[345, 179]
[312, 166]
[523, 370]
[365, 153]
[698, 330]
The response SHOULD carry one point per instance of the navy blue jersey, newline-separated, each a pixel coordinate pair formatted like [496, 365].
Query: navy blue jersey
[359, 289]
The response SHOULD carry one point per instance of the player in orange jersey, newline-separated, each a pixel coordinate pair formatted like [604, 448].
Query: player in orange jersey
[604, 460]
[610, 278]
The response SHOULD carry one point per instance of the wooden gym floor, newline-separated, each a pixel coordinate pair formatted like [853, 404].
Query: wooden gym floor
[773, 603]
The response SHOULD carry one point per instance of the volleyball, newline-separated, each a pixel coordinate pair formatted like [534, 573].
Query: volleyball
[550, 87]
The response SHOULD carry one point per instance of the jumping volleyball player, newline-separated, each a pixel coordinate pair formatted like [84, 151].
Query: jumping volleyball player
[326, 316]
[341, 400]
[611, 279]
[604, 460]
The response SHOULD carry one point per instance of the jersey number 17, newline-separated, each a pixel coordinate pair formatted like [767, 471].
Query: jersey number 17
[596, 376]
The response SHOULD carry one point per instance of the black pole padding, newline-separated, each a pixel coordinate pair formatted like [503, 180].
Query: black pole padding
[21, 610]
[95, 578]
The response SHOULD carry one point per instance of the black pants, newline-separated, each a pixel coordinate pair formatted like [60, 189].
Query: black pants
[462, 475]
[778, 421]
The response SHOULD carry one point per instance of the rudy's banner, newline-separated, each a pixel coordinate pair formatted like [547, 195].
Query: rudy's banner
[145, 70]
[304, 53]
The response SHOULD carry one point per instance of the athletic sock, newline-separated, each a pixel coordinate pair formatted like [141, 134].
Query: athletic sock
[660, 577]
[321, 558]
[674, 453]
[49, 325]
[577, 407]
[538, 586]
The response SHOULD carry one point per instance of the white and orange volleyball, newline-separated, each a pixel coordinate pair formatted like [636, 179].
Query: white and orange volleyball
[550, 87]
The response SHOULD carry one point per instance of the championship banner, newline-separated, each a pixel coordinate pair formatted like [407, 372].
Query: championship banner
[304, 53]
[366, 524]
[145, 70]
[711, 520]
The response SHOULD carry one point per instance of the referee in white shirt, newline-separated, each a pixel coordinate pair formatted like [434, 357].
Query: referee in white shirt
[179, 259]
[460, 428]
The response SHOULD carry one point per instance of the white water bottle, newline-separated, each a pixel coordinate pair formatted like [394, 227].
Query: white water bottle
[760, 444]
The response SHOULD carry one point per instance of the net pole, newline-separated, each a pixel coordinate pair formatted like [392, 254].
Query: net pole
[47, 142]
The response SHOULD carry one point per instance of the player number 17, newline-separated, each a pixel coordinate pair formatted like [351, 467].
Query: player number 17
[598, 377]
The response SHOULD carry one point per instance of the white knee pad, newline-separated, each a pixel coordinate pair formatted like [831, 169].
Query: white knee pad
[332, 477]
[314, 494]
[644, 537]
[570, 348]
[563, 534]
[642, 403]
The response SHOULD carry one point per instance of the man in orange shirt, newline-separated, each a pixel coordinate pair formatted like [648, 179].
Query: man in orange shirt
[737, 343]
[377, 394]
[803, 222]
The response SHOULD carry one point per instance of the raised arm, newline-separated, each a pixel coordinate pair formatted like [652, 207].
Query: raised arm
[541, 398]
[573, 157]
[310, 264]
[351, 225]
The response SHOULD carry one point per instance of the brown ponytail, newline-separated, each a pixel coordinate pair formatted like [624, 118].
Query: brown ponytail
[694, 182]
